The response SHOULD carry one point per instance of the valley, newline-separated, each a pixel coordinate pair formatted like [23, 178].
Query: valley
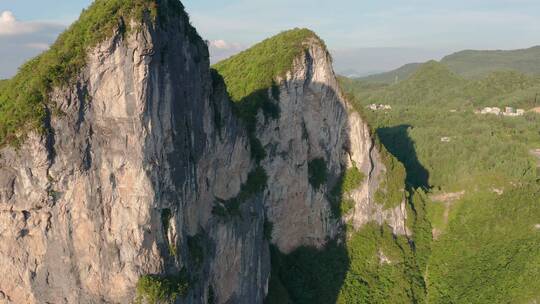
[483, 201]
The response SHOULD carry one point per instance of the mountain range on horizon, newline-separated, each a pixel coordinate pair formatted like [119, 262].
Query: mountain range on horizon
[469, 64]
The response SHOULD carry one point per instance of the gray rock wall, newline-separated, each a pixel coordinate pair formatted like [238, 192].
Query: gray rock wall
[137, 152]
[81, 207]
[315, 122]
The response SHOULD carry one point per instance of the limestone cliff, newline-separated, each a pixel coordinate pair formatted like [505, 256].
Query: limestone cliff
[142, 150]
[316, 122]
[126, 176]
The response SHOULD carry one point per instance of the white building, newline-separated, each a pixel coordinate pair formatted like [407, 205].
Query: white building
[376, 107]
[491, 110]
[508, 111]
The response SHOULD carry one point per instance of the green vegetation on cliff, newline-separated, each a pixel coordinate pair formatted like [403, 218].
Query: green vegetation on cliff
[258, 67]
[251, 77]
[256, 183]
[317, 172]
[349, 180]
[24, 99]
[161, 290]
[391, 191]
[367, 266]
[3, 83]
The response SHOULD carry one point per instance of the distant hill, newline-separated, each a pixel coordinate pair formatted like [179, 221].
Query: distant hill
[480, 63]
[399, 74]
[352, 73]
[434, 83]
[472, 64]
[427, 83]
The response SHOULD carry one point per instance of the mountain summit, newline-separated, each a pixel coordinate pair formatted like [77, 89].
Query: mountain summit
[25, 99]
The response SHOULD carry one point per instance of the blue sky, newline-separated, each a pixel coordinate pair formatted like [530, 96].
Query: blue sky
[364, 36]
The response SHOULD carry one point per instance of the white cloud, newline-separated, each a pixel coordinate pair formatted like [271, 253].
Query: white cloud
[224, 45]
[20, 40]
[221, 49]
[219, 44]
[10, 26]
[7, 17]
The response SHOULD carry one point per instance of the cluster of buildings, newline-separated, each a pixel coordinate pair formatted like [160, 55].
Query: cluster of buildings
[376, 107]
[508, 111]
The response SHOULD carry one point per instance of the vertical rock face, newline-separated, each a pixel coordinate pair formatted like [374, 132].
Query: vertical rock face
[141, 147]
[316, 122]
[311, 125]
[126, 176]
[365, 155]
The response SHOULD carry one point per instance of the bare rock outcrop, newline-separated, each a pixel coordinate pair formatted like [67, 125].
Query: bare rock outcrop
[126, 175]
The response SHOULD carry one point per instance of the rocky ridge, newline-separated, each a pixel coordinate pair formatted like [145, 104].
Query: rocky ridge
[145, 145]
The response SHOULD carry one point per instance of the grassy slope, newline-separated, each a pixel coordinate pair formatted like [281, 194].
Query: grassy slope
[472, 64]
[23, 100]
[485, 253]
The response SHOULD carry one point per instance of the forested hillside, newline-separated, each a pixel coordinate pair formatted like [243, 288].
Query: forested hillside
[481, 180]
[472, 64]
